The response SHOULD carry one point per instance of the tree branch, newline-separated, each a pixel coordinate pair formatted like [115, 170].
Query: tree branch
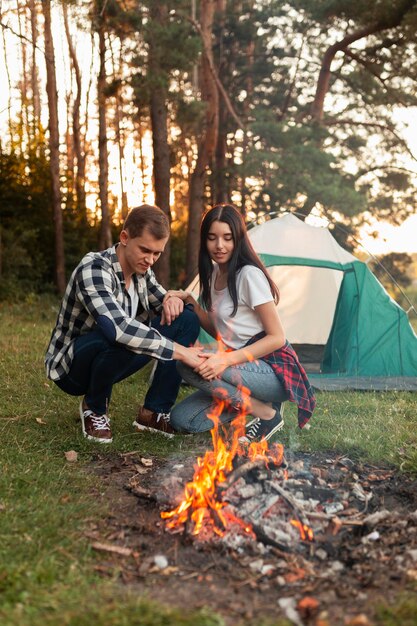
[341, 122]
[219, 85]
[20, 36]
[383, 167]
[324, 76]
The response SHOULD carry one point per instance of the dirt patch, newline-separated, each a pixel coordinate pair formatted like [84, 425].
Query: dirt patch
[344, 573]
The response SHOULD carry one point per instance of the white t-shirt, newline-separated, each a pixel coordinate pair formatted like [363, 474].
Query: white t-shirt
[252, 290]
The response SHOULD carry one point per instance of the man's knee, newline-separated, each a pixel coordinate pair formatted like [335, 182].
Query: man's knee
[191, 322]
[187, 327]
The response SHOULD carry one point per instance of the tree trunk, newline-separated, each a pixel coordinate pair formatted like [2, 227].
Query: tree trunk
[36, 102]
[52, 94]
[161, 155]
[220, 192]
[76, 128]
[118, 116]
[105, 239]
[207, 144]
[25, 130]
[9, 84]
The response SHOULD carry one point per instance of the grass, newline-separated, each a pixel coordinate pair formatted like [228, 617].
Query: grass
[46, 566]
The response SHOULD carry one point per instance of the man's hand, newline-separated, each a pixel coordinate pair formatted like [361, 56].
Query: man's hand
[172, 307]
[188, 356]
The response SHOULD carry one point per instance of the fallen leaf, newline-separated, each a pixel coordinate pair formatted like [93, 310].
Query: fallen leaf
[141, 470]
[308, 607]
[412, 574]
[358, 620]
[297, 574]
[71, 456]
[39, 420]
[146, 462]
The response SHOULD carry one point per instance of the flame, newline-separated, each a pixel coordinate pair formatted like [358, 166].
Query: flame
[201, 506]
[306, 533]
[201, 503]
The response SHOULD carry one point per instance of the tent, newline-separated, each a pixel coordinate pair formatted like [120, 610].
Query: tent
[346, 329]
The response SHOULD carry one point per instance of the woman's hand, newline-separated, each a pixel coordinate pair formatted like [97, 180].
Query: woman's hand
[213, 365]
[176, 293]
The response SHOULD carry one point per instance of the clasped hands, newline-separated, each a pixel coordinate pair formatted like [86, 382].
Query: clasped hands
[212, 364]
[209, 365]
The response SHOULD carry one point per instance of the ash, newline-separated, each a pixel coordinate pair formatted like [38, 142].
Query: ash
[297, 507]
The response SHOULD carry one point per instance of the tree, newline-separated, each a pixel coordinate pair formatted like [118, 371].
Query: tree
[159, 121]
[105, 239]
[208, 138]
[51, 90]
[79, 152]
[393, 269]
[160, 84]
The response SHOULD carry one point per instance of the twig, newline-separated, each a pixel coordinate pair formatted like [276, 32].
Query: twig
[264, 538]
[241, 471]
[324, 516]
[291, 501]
[108, 547]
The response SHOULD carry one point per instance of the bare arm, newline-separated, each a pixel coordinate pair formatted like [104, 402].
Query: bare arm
[202, 315]
[274, 339]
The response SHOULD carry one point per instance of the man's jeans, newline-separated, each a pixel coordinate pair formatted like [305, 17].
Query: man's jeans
[190, 415]
[98, 364]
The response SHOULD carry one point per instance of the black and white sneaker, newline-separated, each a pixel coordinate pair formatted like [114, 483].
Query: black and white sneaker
[259, 429]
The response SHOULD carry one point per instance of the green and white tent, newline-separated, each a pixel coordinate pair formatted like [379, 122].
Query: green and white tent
[347, 330]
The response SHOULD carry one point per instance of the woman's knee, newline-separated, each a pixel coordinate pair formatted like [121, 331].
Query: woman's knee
[190, 417]
[185, 372]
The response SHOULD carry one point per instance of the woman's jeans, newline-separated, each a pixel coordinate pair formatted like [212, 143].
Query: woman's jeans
[190, 415]
[98, 364]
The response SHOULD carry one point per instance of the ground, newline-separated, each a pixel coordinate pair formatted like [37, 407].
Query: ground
[352, 578]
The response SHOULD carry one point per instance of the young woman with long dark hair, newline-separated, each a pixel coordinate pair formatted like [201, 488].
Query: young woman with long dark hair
[238, 308]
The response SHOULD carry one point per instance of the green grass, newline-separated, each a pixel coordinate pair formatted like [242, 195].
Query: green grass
[46, 566]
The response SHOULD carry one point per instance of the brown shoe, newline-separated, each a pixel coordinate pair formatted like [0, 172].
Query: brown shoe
[95, 427]
[157, 422]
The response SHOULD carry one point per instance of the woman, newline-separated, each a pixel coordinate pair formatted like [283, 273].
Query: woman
[239, 308]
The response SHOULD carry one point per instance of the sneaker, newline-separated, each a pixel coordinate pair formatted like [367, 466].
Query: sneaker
[95, 427]
[153, 421]
[259, 429]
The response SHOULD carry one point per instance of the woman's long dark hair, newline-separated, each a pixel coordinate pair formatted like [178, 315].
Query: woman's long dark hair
[243, 254]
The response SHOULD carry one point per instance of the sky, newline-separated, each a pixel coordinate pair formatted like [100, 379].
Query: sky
[390, 238]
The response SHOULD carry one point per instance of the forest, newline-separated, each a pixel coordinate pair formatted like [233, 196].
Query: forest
[274, 106]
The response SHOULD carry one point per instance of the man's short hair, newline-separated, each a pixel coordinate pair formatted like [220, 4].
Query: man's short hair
[150, 217]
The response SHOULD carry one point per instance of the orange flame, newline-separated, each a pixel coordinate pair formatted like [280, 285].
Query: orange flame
[306, 533]
[201, 505]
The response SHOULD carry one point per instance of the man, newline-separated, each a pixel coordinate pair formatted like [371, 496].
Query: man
[113, 319]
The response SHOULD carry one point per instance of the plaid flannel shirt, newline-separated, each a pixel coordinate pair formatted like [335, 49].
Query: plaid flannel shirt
[293, 377]
[96, 290]
[291, 374]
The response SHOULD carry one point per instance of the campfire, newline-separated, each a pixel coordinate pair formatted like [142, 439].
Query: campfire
[210, 504]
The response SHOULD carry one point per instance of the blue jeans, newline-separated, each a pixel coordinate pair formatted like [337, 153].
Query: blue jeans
[98, 364]
[190, 415]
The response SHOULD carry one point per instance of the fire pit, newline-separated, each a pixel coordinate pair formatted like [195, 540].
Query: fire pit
[251, 532]
[320, 535]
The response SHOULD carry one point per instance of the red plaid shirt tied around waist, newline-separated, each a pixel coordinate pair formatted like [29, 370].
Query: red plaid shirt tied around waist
[293, 378]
